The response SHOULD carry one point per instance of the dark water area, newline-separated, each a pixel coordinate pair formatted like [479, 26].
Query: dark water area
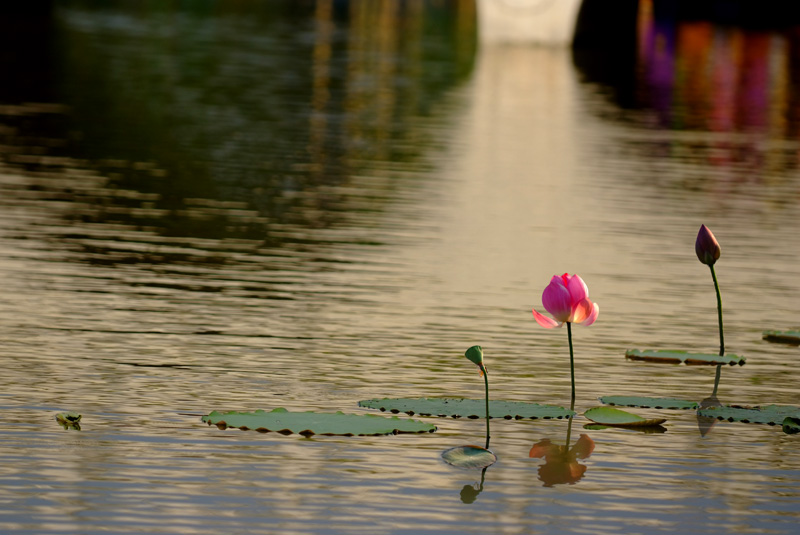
[250, 205]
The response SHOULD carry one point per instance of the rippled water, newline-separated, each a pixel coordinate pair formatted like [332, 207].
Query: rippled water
[307, 205]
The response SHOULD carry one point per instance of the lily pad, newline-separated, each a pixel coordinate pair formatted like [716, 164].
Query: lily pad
[469, 457]
[673, 356]
[782, 337]
[469, 408]
[649, 403]
[769, 414]
[791, 426]
[314, 423]
[619, 418]
[647, 430]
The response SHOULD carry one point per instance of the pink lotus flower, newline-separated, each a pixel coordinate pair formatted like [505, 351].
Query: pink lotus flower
[567, 299]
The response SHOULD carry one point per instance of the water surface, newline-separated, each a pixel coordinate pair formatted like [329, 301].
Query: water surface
[307, 205]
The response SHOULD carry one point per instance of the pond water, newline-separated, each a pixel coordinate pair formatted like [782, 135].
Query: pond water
[305, 205]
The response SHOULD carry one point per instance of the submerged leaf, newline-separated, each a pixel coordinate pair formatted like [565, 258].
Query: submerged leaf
[315, 423]
[648, 402]
[670, 356]
[469, 457]
[770, 414]
[619, 418]
[469, 408]
[782, 337]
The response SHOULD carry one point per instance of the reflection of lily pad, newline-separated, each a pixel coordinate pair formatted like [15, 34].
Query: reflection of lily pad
[619, 418]
[782, 337]
[469, 457]
[469, 408]
[648, 402]
[315, 423]
[770, 414]
[670, 356]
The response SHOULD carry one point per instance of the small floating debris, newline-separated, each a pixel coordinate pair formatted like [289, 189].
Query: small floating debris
[69, 420]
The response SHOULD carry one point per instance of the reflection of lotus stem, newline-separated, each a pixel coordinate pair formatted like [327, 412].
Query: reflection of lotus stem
[719, 312]
[716, 379]
[486, 382]
[569, 426]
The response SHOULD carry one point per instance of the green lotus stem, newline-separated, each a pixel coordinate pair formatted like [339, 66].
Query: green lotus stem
[571, 363]
[486, 383]
[572, 377]
[719, 312]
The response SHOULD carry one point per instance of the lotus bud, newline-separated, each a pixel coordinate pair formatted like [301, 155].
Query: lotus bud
[706, 246]
[475, 354]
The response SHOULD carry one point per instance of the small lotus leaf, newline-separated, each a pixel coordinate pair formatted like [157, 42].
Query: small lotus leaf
[469, 408]
[619, 418]
[791, 426]
[69, 420]
[671, 356]
[770, 414]
[314, 423]
[469, 457]
[782, 337]
[648, 402]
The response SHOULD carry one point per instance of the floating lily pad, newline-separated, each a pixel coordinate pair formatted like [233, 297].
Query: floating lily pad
[670, 356]
[770, 414]
[791, 426]
[619, 418]
[69, 420]
[647, 430]
[782, 337]
[314, 423]
[469, 408]
[648, 402]
[469, 457]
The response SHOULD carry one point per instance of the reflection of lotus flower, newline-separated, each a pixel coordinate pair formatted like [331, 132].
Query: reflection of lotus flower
[706, 246]
[567, 299]
[561, 465]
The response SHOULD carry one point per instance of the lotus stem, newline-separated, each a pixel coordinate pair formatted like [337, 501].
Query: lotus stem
[572, 378]
[486, 383]
[571, 362]
[719, 312]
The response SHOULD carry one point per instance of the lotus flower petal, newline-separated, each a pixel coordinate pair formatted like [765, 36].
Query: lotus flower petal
[592, 315]
[557, 299]
[544, 321]
[578, 290]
